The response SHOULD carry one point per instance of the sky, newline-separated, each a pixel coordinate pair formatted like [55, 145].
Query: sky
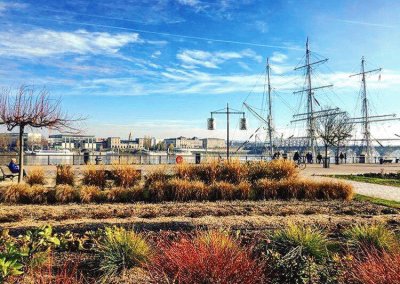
[158, 67]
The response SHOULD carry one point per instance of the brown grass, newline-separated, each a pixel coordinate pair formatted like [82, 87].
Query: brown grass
[280, 169]
[89, 193]
[65, 193]
[35, 176]
[93, 175]
[39, 194]
[185, 190]
[65, 175]
[126, 175]
[16, 193]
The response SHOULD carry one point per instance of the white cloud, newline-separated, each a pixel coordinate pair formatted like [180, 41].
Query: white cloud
[262, 26]
[44, 42]
[192, 58]
[278, 57]
[4, 6]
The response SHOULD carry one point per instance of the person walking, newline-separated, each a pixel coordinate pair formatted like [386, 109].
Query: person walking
[341, 157]
[296, 157]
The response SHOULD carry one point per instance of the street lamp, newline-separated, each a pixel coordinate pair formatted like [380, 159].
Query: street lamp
[228, 111]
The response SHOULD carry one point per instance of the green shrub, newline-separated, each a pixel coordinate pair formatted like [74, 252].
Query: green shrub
[65, 175]
[313, 242]
[367, 237]
[121, 249]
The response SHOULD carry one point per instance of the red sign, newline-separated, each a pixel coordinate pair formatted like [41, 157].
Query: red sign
[179, 159]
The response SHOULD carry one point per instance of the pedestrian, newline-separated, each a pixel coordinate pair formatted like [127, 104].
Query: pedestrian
[296, 157]
[341, 157]
[319, 158]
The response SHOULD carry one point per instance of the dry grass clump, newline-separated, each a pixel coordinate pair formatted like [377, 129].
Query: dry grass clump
[125, 175]
[279, 169]
[65, 175]
[35, 176]
[16, 193]
[65, 193]
[93, 175]
[39, 194]
[121, 194]
[89, 193]
[209, 258]
[184, 190]
[207, 172]
[232, 171]
[335, 190]
[257, 170]
[302, 189]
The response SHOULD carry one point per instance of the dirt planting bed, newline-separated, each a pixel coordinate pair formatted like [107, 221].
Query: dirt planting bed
[242, 215]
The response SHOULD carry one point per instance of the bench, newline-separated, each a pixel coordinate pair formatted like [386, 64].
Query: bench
[5, 170]
[385, 161]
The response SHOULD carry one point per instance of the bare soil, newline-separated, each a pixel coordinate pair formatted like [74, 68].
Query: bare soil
[174, 216]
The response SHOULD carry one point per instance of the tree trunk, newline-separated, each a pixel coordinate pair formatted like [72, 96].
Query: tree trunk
[326, 156]
[21, 154]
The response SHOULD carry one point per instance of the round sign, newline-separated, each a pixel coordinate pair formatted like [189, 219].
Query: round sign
[179, 159]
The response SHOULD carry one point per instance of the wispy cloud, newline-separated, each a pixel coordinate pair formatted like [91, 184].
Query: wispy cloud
[193, 58]
[278, 57]
[44, 42]
[366, 24]
[4, 6]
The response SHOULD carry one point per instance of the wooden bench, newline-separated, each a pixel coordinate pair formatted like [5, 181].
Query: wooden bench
[5, 170]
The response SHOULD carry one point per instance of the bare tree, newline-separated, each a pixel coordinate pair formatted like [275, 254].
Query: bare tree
[334, 127]
[31, 108]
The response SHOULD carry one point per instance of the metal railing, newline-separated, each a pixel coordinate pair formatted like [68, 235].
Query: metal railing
[160, 159]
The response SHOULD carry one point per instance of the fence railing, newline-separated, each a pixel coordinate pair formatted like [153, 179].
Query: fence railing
[159, 159]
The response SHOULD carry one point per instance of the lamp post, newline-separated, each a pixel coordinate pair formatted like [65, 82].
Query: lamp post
[228, 111]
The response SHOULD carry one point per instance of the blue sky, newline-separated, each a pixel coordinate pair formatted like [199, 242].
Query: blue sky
[158, 67]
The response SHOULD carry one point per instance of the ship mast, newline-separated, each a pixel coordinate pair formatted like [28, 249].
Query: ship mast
[309, 116]
[270, 129]
[366, 119]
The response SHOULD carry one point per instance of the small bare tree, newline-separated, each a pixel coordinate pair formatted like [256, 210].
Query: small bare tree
[334, 127]
[31, 108]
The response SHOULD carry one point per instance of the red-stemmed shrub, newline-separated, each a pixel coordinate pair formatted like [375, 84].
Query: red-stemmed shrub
[376, 267]
[211, 257]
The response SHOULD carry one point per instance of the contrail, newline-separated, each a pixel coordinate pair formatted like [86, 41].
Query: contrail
[169, 34]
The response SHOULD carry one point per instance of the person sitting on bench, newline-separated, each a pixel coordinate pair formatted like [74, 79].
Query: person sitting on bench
[14, 167]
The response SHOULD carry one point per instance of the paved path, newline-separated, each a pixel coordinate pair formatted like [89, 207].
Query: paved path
[373, 190]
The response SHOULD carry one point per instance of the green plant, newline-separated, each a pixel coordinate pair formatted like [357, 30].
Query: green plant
[367, 237]
[65, 175]
[11, 261]
[126, 175]
[35, 176]
[121, 249]
[93, 175]
[65, 193]
[313, 242]
[9, 268]
[37, 245]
